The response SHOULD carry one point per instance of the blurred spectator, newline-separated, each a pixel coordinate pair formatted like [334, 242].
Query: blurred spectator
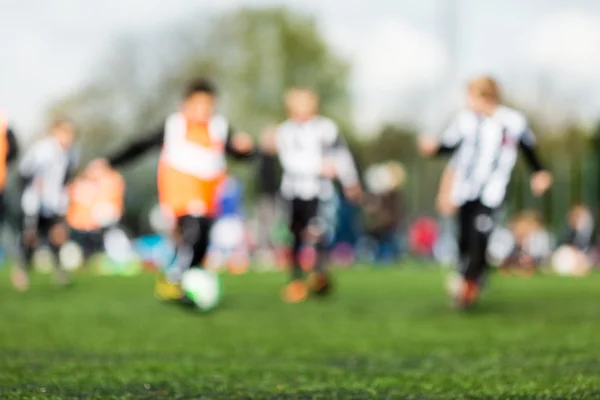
[384, 208]
[95, 205]
[524, 260]
[267, 187]
[580, 228]
[572, 257]
[422, 236]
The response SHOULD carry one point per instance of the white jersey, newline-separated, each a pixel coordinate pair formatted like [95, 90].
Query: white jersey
[303, 147]
[46, 166]
[486, 153]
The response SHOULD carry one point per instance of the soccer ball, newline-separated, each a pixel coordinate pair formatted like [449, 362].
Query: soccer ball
[202, 287]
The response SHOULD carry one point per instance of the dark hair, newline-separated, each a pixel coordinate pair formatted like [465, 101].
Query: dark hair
[201, 85]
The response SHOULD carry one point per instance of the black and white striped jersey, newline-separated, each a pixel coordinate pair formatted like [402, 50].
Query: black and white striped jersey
[303, 148]
[45, 170]
[485, 150]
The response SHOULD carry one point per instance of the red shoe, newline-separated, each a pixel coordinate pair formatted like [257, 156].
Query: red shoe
[469, 295]
[295, 292]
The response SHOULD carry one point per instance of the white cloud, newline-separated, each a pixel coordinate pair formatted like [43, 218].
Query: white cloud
[397, 56]
[395, 59]
[568, 43]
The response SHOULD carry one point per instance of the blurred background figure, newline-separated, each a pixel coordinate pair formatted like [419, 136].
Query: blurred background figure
[229, 240]
[267, 182]
[573, 257]
[526, 227]
[95, 208]
[384, 210]
[9, 151]
[45, 171]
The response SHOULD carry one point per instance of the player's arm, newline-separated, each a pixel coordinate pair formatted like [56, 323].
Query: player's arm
[239, 145]
[338, 152]
[72, 166]
[527, 145]
[29, 165]
[13, 146]
[151, 141]
[541, 180]
[449, 143]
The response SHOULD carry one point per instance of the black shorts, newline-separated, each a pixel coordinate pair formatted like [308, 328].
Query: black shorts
[90, 241]
[303, 212]
[42, 224]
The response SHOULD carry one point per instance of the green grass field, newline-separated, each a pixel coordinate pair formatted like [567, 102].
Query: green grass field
[386, 334]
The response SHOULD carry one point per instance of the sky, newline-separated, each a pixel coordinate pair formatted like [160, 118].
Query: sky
[402, 50]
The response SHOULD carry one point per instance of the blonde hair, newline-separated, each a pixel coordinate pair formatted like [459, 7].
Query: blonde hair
[301, 90]
[485, 87]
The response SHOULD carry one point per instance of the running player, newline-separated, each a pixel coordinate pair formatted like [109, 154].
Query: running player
[194, 142]
[485, 139]
[45, 171]
[313, 154]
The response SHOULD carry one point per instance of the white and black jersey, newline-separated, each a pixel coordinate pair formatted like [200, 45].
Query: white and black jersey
[45, 171]
[303, 148]
[485, 150]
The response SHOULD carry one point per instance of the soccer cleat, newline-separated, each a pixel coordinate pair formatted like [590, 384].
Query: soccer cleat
[463, 292]
[319, 283]
[295, 292]
[167, 291]
[20, 280]
[470, 294]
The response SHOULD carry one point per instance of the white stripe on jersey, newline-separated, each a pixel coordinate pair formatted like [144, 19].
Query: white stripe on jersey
[303, 147]
[486, 154]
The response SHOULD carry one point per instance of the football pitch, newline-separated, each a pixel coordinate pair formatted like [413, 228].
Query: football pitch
[385, 334]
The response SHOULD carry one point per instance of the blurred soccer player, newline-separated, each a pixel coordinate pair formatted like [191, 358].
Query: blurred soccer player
[194, 142]
[95, 206]
[9, 151]
[45, 171]
[485, 139]
[312, 153]
[267, 190]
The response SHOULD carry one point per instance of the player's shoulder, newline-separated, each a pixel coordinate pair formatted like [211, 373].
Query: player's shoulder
[512, 118]
[325, 123]
[174, 119]
[327, 128]
[42, 144]
[465, 116]
[219, 122]
[285, 126]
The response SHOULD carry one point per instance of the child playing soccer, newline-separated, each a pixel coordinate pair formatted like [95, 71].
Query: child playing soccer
[484, 140]
[193, 143]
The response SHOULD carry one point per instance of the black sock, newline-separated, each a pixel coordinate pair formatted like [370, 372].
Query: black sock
[297, 272]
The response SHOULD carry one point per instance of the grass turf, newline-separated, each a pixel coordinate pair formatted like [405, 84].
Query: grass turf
[385, 334]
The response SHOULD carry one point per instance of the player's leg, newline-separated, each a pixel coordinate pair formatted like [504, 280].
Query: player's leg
[456, 283]
[480, 226]
[318, 234]
[192, 238]
[28, 242]
[298, 224]
[296, 290]
[56, 233]
[201, 241]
